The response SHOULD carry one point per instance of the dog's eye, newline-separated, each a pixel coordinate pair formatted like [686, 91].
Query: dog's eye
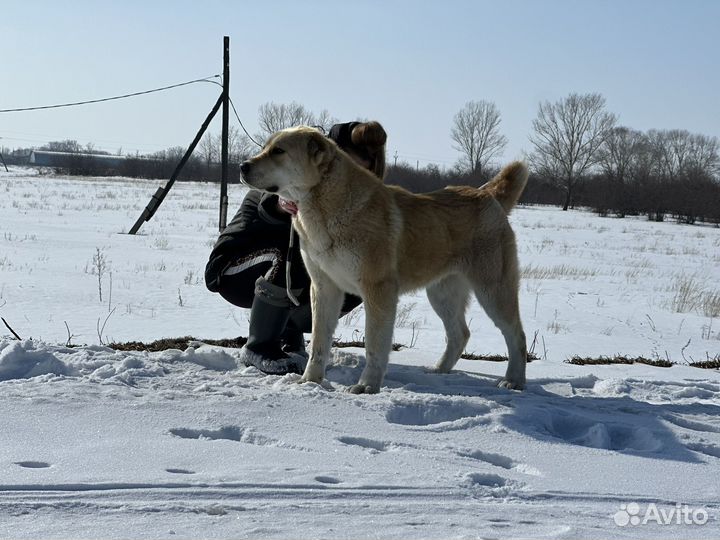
[277, 151]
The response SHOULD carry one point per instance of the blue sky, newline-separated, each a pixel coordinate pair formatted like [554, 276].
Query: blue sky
[409, 64]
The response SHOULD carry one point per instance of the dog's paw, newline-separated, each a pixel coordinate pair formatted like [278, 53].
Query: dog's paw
[305, 379]
[314, 372]
[511, 385]
[437, 370]
[363, 389]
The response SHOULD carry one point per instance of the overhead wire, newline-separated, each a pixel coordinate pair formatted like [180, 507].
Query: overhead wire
[144, 92]
[74, 104]
[238, 116]
[134, 94]
[161, 89]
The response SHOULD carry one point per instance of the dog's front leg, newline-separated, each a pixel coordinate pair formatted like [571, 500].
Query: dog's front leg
[380, 306]
[326, 300]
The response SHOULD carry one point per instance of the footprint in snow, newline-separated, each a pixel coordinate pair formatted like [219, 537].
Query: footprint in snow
[493, 459]
[485, 479]
[501, 461]
[327, 480]
[228, 433]
[694, 424]
[179, 471]
[593, 432]
[378, 446]
[707, 449]
[492, 485]
[369, 444]
[232, 433]
[438, 414]
[33, 464]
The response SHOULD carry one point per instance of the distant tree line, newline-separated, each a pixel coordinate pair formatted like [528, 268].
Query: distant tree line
[203, 165]
[81, 160]
[617, 170]
[658, 173]
[580, 157]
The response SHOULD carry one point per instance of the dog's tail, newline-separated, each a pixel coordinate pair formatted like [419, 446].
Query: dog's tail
[508, 185]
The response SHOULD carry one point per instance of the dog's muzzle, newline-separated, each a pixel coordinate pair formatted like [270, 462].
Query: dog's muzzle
[245, 167]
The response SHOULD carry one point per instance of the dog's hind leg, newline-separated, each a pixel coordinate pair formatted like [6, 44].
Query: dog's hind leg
[500, 301]
[380, 301]
[326, 299]
[449, 298]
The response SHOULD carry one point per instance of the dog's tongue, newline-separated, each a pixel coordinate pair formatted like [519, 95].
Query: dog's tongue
[289, 206]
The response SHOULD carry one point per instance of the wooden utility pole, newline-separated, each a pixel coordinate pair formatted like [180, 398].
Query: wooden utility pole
[223, 101]
[159, 196]
[224, 144]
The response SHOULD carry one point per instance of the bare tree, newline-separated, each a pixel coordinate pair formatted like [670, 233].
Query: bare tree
[62, 146]
[705, 154]
[273, 117]
[476, 132]
[619, 151]
[621, 158]
[679, 152]
[209, 149]
[567, 136]
[325, 121]
[239, 145]
[682, 174]
[670, 150]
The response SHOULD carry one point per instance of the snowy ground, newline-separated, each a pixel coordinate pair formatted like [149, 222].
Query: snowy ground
[185, 444]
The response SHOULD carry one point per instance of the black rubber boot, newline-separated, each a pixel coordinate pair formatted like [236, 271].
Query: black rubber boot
[300, 322]
[269, 315]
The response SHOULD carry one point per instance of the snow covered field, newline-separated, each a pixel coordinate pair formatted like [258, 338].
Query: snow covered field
[96, 443]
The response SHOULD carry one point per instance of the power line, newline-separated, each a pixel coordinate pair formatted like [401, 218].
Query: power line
[238, 116]
[134, 94]
[242, 126]
[206, 79]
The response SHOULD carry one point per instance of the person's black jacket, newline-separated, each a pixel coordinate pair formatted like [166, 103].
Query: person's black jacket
[259, 225]
[256, 225]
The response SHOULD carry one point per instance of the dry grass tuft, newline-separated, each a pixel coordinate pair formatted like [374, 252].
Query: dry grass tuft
[618, 359]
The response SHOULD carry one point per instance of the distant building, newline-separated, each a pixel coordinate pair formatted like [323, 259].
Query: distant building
[68, 160]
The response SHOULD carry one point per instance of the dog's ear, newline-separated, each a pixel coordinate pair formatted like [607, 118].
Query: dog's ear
[321, 151]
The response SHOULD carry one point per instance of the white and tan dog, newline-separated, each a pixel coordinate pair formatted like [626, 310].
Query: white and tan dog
[376, 241]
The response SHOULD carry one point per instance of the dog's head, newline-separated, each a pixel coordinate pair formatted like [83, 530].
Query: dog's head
[292, 162]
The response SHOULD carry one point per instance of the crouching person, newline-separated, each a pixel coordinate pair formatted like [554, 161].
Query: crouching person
[255, 265]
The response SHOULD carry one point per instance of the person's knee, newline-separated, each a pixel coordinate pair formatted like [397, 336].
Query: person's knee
[237, 297]
[238, 289]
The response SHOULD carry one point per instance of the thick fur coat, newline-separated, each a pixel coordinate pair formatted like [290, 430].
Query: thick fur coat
[361, 236]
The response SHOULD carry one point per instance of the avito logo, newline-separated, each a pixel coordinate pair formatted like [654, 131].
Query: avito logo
[680, 514]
